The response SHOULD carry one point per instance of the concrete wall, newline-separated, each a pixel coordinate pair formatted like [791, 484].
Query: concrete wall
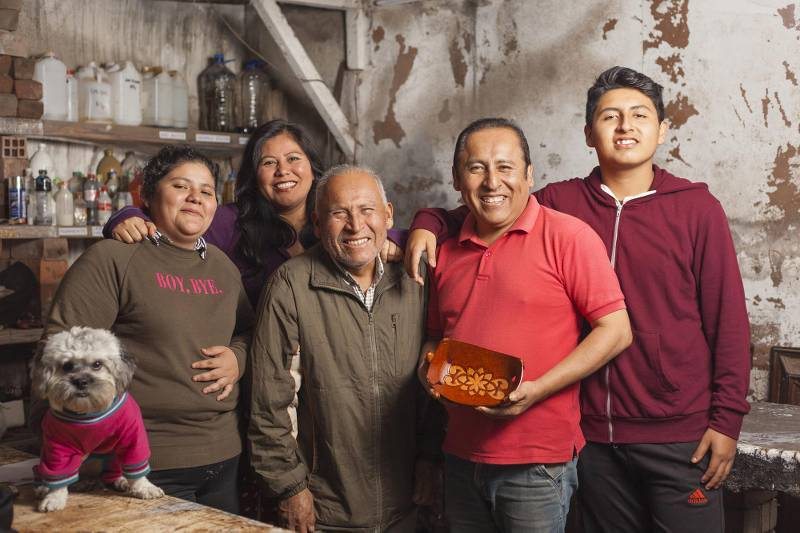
[729, 67]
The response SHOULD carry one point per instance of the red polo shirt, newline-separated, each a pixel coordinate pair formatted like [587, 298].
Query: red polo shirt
[524, 295]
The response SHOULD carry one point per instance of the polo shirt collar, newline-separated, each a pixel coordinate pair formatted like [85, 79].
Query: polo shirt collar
[524, 223]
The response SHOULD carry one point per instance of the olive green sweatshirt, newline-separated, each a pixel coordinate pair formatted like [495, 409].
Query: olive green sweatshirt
[165, 304]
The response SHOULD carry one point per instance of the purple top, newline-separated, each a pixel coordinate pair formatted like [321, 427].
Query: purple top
[224, 234]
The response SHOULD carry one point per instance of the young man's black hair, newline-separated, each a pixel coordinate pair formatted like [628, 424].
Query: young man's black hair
[623, 78]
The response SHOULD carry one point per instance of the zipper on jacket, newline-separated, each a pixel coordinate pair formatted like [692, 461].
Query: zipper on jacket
[608, 367]
[376, 391]
[394, 329]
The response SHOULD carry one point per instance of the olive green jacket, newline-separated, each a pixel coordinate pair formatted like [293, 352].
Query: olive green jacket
[360, 406]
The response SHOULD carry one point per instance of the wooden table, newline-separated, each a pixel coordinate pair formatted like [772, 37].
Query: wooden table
[104, 510]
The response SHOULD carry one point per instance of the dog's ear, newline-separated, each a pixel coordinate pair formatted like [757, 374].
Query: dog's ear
[127, 368]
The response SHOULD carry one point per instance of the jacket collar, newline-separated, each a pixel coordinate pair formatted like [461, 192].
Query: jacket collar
[326, 275]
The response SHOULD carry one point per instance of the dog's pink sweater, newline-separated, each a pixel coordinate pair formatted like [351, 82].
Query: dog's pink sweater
[117, 435]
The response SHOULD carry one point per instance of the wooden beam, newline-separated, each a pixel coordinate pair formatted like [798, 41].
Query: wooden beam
[356, 35]
[307, 74]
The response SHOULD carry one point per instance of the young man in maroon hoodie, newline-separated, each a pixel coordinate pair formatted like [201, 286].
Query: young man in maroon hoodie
[663, 418]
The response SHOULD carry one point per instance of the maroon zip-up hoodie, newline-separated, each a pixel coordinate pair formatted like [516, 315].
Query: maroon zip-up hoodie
[688, 368]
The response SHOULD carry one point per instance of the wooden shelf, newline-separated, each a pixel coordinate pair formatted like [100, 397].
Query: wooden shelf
[19, 336]
[23, 231]
[140, 138]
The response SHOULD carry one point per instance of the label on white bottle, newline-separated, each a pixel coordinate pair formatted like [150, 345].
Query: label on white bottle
[209, 138]
[174, 135]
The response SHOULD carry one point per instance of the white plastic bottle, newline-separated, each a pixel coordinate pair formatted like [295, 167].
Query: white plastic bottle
[94, 95]
[180, 100]
[103, 206]
[65, 209]
[41, 160]
[126, 94]
[157, 109]
[52, 74]
[72, 96]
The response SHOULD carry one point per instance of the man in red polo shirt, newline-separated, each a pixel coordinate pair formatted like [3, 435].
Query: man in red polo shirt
[519, 279]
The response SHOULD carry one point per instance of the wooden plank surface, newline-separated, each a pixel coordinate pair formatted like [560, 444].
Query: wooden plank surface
[768, 452]
[106, 510]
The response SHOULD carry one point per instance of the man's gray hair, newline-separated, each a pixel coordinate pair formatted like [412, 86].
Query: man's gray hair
[339, 170]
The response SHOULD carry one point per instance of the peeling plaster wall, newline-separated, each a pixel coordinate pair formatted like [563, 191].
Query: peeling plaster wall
[730, 71]
[176, 35]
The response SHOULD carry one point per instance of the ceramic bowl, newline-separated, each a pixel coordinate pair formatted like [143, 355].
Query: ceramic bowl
[467, 374]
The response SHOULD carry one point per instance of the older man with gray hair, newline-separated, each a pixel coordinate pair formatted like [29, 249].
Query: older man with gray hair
[358, 456]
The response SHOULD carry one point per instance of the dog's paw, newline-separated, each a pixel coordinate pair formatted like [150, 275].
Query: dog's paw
[121, 484]
[54, 501]
[142, 488]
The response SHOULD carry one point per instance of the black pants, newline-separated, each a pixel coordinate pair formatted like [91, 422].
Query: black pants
[646, 487]
[213, 485]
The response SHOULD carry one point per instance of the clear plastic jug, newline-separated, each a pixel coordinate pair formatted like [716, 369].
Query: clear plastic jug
[254, 94]
[52, 74]
[180, 100]
[216, 89]
[126, 94]
[41, 159]
[94, 95]
[156, 98]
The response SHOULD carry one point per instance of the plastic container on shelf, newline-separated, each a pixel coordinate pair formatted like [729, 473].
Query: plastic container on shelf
[91, 189]
[94, 95]
[157, 98]
[130, 165]
[52, 74]
[51, 200]
[76, 182]
[107, 164]
[254, 94]
[122, 199]
[41, 159]
[112, 182]
[65, 208]
[79, 210]
[103, 206]
[44, 214]
[216, 89]
[126, 94]
[72, 96]
[180, 100]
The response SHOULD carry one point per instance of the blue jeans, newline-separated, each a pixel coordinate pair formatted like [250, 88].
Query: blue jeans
[484, 498]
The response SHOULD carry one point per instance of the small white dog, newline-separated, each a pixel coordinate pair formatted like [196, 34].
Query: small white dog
[84, 374]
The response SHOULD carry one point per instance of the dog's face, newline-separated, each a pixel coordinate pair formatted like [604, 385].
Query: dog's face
[82, 370]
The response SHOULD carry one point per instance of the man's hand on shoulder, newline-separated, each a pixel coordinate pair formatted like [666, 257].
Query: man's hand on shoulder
[517, 402]
[723, 451]
[297, 511]
[419, 241]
